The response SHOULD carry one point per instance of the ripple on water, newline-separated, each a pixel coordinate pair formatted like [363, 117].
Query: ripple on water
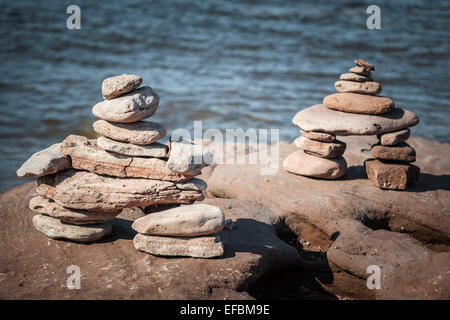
[232, 64]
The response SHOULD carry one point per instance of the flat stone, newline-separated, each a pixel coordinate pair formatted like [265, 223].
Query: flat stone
[154, 150]
[361, 70]
[328, 150]
[350, 76]
[49, 207]
[44, 162]
[196, 247]
[131, 107]
[393, 138]
[185, 221]
[141, 132]
[391, 176]
[86, 155]
[115, 86]
[89, 191]
[358, 103]
[321, 118]
[399, 152]
[370, 87]
[304, 164]
[56, 229]
[318, 136]
[188, 158]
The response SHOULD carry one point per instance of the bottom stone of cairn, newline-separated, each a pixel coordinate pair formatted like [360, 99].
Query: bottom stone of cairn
[196, 247]
[56, 229]
[308, 165]
[393, 176]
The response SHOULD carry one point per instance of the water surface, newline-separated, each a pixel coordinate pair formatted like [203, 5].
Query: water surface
[232, 64]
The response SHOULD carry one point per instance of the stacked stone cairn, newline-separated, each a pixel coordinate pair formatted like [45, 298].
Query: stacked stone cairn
[85, 183]
[355, 110]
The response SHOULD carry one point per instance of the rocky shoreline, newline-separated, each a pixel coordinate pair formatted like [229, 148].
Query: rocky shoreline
[291, 237]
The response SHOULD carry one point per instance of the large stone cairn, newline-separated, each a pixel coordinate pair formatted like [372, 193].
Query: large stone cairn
[84, 183]
[355, 110]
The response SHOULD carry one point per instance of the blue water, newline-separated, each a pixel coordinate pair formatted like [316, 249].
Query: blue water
[232, 64]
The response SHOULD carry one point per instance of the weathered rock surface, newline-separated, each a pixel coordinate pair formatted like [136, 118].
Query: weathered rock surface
[354, 77]
[398, 256]
[115, 86]
[370, 87]
[312, 204]
[304, 164]
[113, 269]
[319, 136]
[44, 162]
[154, 150]
[399, 152]
[393, 138]
[51, 208]
[131, 107]
[86, 155]
[184, 221]
[187, 157]
[421, 212]
[89, 191]
[56, 229]
[393, 176]
[320, 118]
[196, 247]
[329, 150]
[141, 132]
[358, 103]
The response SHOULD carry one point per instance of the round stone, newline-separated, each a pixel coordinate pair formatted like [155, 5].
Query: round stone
[369, 87]
[115, 86]
[358, 103]
[141, 132]
[131, 107]
[304, 164]
[329, 150]
[194, 220]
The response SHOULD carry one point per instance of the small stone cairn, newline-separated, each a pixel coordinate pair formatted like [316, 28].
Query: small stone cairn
[355, 110]
[85, 183]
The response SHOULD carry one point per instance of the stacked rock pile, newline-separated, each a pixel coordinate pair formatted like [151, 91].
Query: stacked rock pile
[392, 168]
[83, 183]
[355, 110]
[320, 156]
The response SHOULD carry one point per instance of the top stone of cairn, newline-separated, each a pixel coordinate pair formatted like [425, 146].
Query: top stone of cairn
[364, 64]
[116, 86]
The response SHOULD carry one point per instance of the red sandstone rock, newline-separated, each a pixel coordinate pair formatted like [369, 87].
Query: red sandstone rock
[393, 176]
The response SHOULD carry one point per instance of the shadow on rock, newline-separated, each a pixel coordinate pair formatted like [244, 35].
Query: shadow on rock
[303, 282]
[431, 182]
